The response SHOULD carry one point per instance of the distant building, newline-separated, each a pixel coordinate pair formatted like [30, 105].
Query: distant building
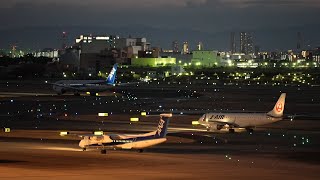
[299, 40]
[100, 51]
[233, 43]
[182, 59]
[70, 60]
[316, 55]
[256, 50]
[185, 49]
[153, 53]
[200, 46]
[205, 58]
[176, 70]
[135, 44]
[175, 46]
[48, 52]
[95, 43]
[153, 62]
[246, 43]
[96, 52]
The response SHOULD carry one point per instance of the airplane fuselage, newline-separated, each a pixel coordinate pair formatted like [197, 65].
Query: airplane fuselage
[93, 86]
[129, 143]
[236, 120]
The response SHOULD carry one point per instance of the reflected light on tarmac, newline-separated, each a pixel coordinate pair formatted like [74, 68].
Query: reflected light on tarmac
[10, 94]
[58, 148]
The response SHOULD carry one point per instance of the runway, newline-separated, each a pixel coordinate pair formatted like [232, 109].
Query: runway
[34, 150]
[51, 160]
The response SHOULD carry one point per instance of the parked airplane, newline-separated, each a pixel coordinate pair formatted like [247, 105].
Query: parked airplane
[92, 86]
[230, 121]
[126, 141]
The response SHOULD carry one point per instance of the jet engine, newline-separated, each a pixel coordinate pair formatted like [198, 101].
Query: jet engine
[59, 90]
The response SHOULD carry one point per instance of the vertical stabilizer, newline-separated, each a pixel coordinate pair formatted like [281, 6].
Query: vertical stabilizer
[112, 76]
[161, 132]
[278, 107]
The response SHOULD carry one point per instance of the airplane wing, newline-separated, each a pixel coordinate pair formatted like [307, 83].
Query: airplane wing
[225, 123]
[88, 135]
[128, 84]
[67, 87]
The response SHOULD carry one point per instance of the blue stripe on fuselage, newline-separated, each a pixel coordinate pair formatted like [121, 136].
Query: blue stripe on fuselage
[125, 141]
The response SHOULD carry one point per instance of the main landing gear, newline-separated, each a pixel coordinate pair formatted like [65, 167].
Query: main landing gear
[77, 94]
[231, 131]
[249, 130]
[140, 150]
[103, 151]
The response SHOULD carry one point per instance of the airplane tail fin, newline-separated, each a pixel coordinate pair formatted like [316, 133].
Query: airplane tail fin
[161, 132]
[278, 107]
[112, 75]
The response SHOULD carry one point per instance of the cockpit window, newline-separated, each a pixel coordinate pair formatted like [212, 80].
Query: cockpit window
[203, 118]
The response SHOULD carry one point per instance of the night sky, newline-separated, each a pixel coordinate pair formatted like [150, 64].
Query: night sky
[200, 16]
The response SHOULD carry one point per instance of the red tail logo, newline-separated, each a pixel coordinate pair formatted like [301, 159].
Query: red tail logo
[279, 107]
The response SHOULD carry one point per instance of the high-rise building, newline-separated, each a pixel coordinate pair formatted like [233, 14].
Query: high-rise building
[185, 49]
[175, 46]
[64, 40]
[246, 43]
[256, 50]
[233, 43]
[299, 41]
[200, 46]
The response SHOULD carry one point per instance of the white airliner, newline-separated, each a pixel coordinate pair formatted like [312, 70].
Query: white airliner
[126, 141]
[217, 121]
[92, 86]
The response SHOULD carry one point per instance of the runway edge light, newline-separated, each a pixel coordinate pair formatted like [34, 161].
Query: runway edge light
[134, 119]
[103, 114]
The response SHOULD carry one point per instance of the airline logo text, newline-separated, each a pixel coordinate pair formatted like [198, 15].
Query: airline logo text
[217, 117]
[160, 126]
[112, 73]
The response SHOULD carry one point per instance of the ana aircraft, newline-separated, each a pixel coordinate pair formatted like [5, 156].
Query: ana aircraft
[92, 86]
[126, 141]
[217, 121]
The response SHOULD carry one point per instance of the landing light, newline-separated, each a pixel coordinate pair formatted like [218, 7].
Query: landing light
[64, 133]
[103, 114]
[98, 133]
[195, 123]
[7, 130]
[134, 119]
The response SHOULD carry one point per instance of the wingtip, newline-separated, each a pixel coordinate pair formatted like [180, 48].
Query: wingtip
[166, 115]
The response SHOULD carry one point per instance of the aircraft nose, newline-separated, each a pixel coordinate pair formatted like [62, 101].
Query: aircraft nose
[82, 144]
[202, 119]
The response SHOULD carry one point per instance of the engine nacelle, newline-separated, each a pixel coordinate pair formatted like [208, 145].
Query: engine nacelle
[59, 90]
[215, 127]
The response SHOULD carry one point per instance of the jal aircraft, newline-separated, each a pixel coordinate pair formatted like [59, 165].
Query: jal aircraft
[217, 121]
[92, 86]
[126, 141]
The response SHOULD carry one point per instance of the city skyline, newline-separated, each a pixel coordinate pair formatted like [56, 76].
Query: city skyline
[193, 20]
